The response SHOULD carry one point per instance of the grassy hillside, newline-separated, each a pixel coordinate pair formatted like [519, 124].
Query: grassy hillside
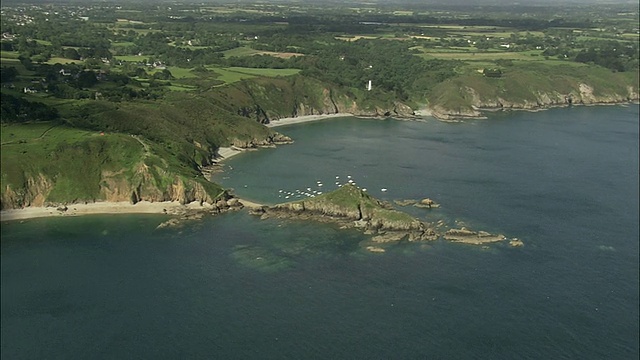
[176, 135]
[524, 85]
[50, 163]
[352, 203]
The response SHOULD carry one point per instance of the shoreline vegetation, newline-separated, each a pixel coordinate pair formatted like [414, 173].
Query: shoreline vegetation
[137, 107]
[147, 207]
[175, 207]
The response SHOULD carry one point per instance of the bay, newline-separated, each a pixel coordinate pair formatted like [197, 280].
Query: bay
[565, 181]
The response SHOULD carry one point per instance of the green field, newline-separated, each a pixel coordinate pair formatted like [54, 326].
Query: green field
[241, 51]
[177, 87]
[497, 34]
[122, 44]
[190, 47]
[27, 132]
[181, 73]
[43, 42]
[247, 51]
[357, 37]
[228, 76]
[264, 72]
[9, 54]
[127, 21]
[234, 74]
[43, 148]
[139, 31]
[131, 58]
[61, 60]
[468, 54]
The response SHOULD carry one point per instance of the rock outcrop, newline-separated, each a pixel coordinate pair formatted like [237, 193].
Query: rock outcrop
[273, 99]
[271, 140]
[444, 113]
[34, 193]
[352, 207]
[425, 203]
[471, 103]
[467, 236]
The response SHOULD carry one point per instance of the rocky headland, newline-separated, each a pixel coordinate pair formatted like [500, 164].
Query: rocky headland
[478, 106]
[463, 97]
[351, 207]
[472, 96]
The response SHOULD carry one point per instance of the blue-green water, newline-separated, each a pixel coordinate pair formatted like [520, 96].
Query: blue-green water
[564, 181]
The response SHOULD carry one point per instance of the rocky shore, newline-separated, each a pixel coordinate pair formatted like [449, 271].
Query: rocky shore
[350, 207]
[477, 105]
[180, 211]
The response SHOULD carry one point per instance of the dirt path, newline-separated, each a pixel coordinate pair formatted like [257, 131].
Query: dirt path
[38, 138]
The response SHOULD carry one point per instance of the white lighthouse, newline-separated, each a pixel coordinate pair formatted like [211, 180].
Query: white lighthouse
[369, 86]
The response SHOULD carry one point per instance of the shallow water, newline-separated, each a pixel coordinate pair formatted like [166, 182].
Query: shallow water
[565, 181]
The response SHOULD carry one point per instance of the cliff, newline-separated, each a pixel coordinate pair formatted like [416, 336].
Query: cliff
[112, 187]
[73, 166]
[265, 100]
[531, 88]
[521, 87]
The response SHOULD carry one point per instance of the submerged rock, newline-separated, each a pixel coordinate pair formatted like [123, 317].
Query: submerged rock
[375, 249]
[515, 242]
[427, 203]
[467, 236]
[406, 202]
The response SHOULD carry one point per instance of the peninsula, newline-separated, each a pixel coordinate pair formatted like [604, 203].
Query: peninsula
[129, 104]
[352, 207]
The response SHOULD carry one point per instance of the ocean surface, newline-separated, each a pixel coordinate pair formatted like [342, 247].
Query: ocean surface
[565, 181]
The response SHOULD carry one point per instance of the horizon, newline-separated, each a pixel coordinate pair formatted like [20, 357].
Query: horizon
[455, 3]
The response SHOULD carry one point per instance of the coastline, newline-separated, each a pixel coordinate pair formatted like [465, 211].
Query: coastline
[227, 152]
[304, 119]
[104, 207]
[480, 111]
[115, 208]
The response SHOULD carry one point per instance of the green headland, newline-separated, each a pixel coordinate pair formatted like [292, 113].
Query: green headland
[133, 102]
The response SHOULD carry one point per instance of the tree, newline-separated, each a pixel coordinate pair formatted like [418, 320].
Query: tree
[86, 79]
[71, 53]
[163, 75]
[7, 74]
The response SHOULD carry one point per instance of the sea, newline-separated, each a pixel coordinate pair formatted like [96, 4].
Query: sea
[233, 286]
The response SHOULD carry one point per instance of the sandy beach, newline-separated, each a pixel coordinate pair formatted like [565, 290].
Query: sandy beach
[105, 207]
[142, 207]
[304, 119]
[146, 207]
[227, 152]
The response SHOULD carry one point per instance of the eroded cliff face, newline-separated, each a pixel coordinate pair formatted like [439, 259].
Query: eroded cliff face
[271, 140]
[477, 102]
[266, 101]
[116, 187]
[145, 185]
[34, 193]
[345, 104]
